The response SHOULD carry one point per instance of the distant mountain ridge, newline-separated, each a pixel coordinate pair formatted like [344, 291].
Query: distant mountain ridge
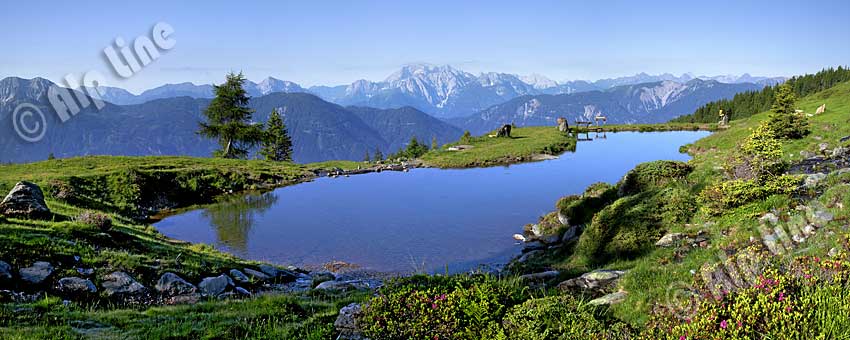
[442, 91]
[641, 103]
[320, 130]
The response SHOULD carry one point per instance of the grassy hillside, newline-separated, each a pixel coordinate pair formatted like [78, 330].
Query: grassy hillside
[523, 144]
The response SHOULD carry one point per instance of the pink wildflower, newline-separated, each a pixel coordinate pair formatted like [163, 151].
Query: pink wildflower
[723, 324]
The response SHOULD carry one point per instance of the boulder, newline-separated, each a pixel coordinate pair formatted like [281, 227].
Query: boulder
[563, 125]
[37, 273]
[528, 255]
[344, 285]
[504, 131]
[542, 276]
[550, 239]
[602, 280]
[256, 275]
[346, 323]
[213, 286]
[26, 200]
[570, 234]
[563, 219]
[75, 286]
[609, 299]
[840, 152]
[242, 291]
[5, 271]
[277, 273]
[813, 180]
[170, 284]
[239, 276]
[769, 218]
[121, 283]
[533, 245]
[670, 239]
[821, 217]
[822, 147]
[807, 154]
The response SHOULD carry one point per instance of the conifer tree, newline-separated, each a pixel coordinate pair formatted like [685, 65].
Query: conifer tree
[277, 146]
[229, 120]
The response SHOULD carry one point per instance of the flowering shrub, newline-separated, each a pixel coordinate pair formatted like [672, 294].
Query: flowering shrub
[808, 300]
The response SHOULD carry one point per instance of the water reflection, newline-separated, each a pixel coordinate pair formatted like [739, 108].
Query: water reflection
[233, 219]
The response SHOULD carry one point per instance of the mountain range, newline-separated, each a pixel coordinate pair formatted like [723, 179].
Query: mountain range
[654, 102]
[319, 130]
[441, 91]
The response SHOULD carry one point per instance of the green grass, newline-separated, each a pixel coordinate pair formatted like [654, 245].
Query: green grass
[489, 151]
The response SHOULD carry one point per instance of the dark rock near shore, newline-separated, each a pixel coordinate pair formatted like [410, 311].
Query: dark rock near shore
[171, 285]
[239, 276]
[26, 200]
[278, 274]
[5, 272]
[214, 286]
[256, 275]
[121, 284]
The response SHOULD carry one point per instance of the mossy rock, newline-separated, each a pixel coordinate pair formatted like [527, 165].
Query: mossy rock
[651, 175]
[580, 209]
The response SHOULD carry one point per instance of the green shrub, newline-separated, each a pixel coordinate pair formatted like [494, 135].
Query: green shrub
[560, 317]
[717, 198]
[95, 219]
[437, 307]
[652, 175]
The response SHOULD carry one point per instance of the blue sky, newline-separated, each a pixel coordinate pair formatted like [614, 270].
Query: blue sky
[336, 42]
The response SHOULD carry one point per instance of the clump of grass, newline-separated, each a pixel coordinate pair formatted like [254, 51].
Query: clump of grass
[95, 219]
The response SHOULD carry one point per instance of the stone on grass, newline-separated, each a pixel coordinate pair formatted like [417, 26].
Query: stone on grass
[602, 280]
[347, 323]
[609, 299]
[37, 273]
[813, 180]
[213, 286]
[121, 283]
[239, 276]
[256, 275]
[669, 239]
[5, 271]
[26, 200]
[75, 286]
[170, 284]
[542, 276]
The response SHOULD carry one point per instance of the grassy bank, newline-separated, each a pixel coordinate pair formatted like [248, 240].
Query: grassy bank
[523, 145]
[648, 127]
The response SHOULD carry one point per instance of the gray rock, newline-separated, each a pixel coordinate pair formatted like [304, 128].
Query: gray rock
[669, 239]
[610, 299]
[242, 291]
[344, 285]
[36, 273]
[563, 219]
[213, 286]
[833, 252]
[807, 154]
[26, 200]
[277, 273]
[813, 180]
[85, 271]
[602, 280]
[770, 218]
[822, 217]
[5, 271]
[347, 322]
[550, 239]
[322, 277]
[844, 139]
[528, 255]
[256, 275]
[239, 276]
[809, 230]
[170, 284]
[76, 286]
[822, 147]
[570, 234]
[840, 151]
[533, 245]
[121, 283]
[542, 276]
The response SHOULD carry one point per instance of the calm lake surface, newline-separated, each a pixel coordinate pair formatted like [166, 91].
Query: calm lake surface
[423, 220]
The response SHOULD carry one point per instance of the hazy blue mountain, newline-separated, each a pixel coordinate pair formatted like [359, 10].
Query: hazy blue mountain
[123, 97]
[642, 103]
[320, 130]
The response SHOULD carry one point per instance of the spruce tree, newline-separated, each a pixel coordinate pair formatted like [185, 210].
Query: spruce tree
[783, 120]
[434, 144]
[366, 158]
[229, 120]
[379, 156]
[277, 146]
